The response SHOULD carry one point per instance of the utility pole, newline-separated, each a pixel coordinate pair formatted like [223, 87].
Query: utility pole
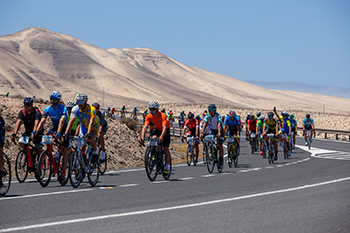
[103, 97]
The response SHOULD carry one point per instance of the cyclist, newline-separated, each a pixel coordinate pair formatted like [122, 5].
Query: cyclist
[171, 117]
[259, 131]
[181, 118]
[58, 114]
[192, 127]
[7, 94]
[294, 125]
[2, 140]
[213, 119]
[251, 126]
[30, 116]
[286, 128]
[246, 127]
[308, 124]
[69, 105]
[123, 111]
[102, 130]
[161, 130]
[232, 127]
[113, 111]
[198, 117]
[145, 114]
[134, 113]
[271, 127]
[89, 122]
[108, 110]
[204, 113]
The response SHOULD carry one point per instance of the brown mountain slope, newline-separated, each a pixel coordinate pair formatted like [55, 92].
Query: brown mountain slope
[36, 61]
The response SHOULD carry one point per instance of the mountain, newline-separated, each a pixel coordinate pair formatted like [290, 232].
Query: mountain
[37, 61]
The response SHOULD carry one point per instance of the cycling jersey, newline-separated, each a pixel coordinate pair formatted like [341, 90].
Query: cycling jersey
[232, 123]
[158, 121]
[56, 114]
[260, 125]
[84, 117]
[308, 124]
[293, 123]
[134, 111]
[191, 125]
[29, 119]
[213, 121]
[252, 125]
[75, 124]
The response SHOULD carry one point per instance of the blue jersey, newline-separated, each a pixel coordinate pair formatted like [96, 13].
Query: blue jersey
[56, 114]
[293, 123]
[308, 124]
[232, 124]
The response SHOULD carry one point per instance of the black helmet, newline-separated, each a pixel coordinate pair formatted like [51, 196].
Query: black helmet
[252, 117]
[212, 107]
[307, 115]
[270, 114]
[28, 100]
[96, 105]
[258, 114]
[190, 115]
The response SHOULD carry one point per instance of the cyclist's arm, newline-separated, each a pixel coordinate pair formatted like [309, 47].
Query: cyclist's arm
[264, 127]
[143, 132]
[220, 128]
[18, 125]
[183, 131]
[225, 129]
[91, 122]
[70, 124]
[41, 124]
[61, 124]
[238, 129]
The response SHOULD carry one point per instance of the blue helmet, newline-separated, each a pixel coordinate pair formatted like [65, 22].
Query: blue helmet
[55, 95]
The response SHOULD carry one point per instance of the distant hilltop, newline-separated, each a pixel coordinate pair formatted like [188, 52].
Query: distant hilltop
[37, 61]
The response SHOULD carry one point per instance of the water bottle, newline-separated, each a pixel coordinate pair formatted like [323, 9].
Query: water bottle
[57, 157]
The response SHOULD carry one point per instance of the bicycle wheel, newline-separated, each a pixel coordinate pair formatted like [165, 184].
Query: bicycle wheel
[103, 164]
[74, 170]
[252, 145]
[44, 169]
[94, 170]
[189, 155]
[6, 178]
[21, 166]
[167, 176]
[210, 158]
[65, 171]
[151, 163]
[229, 156]
[308, 142]
[264, 148]
[204, 154]
[285, 149]
[235, 158]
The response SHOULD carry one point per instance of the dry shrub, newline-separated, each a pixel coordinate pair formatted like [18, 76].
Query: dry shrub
[131, 123]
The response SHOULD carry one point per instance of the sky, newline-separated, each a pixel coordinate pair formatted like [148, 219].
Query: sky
[303, 41]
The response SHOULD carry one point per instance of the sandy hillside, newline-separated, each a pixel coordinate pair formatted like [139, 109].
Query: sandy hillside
[36, 61]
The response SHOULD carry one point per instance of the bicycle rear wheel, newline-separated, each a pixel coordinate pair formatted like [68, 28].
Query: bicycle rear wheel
[6, 178]
[167, 176]
[189, 155]
[151, 163]
[229, 156]
[74, 170]
[204, 154]
[44, 169]
[94, 170]
[210, 159]
[103, 164]
[285, 149]
[65, 171]
[21, 166]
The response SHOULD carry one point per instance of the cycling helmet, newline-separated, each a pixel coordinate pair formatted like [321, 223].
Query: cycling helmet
[212, 107]
[284, 113]
[28, 100]
[291, 116]
[70, 104]
[190, 115]
[153, 104]
[307, 115]
[262, 117]
[270, 114]
[248, 114]
[258, 114]
[232, 113]
[82, 96]
[170, 110]
[55, 95]
[252, 117]
[113, 107]
[96, 105]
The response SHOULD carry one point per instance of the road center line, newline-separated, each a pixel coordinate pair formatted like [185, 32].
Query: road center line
[127, 185]
[94, 218]
[44, 194]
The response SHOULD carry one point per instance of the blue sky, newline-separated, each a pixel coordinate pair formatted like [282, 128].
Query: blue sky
[300, 41]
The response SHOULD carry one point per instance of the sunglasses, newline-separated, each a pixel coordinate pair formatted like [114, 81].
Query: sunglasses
[270, 116]
[153, 108]
[80, 101]
[53, 99]
[27, 105]
[212, 110]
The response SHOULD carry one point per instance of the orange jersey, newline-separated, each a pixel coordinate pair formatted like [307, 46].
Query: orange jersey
[158, 121]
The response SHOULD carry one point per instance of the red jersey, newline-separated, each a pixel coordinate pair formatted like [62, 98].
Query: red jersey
[191, 125]
[252, 125]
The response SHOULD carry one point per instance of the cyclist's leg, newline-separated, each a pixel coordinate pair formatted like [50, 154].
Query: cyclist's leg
[166, 144]
[1, 165]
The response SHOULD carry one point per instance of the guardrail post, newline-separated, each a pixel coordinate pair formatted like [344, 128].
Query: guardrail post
[336, 136]
[325, 135]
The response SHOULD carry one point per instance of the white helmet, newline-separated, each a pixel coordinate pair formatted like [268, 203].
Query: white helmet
[153, 104]
[70, 104]
[82, 96]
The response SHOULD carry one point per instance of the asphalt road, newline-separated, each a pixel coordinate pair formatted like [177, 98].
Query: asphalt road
[307, 193]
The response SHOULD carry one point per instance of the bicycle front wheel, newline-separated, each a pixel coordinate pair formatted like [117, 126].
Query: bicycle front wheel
[210, 159]
[6, 177]
[44, 169]
[285, 149]
[94, 170]
[74, 170]
[21, 166]
[189, 155]
[167, 176]
[151, 164]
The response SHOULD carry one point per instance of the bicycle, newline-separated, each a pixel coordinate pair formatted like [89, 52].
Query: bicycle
[252, 142]
[211, 154]
[50, 162]
[263, 145]
[308, 138]
[285, 146]
[291, 142]
[24, 162]
[204, 151]
[190, 151]
[6, 177]
[103, 163]
[79, 166]
[232, 155]
[155, 160]
[271, 149]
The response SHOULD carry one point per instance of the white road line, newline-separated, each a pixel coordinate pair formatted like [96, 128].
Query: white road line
[186, 178]
[210, 175]
[45, 194]
[160, 182]
[127, 185]
[141, 212]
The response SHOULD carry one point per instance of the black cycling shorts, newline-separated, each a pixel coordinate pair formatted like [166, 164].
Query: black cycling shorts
[2, 138]
[166, 139]
[232, 131]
